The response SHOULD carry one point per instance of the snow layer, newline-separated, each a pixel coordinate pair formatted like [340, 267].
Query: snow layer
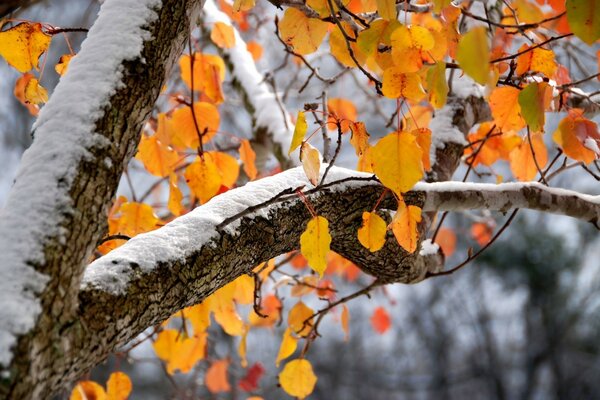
[64, 133]
[268, 112]
[428, 248]
[190, 232]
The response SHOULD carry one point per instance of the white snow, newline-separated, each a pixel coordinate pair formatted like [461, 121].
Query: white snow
[444, 131]
[592, 144]
[268, 111]
[428, 248]
[194, 230]
[64, 133]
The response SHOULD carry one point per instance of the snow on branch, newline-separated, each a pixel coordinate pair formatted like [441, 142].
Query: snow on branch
[267, 112]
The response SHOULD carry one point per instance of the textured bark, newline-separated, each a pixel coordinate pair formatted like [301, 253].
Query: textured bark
[41, 360]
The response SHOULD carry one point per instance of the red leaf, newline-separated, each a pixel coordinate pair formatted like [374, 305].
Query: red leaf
[249, 382]
[380, 320]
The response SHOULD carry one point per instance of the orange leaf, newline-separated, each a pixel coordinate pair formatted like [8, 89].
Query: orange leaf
[397, 161]
[135, 218]
[222, 35]
[536, 60]
[380, 320]
[209, 73]
[482, 233]
[522, 162]
[158, 159]
[22, 45]
[88, 390]
[216, 377]
[423, 136]
[302, 33]
[118, 386]
[311, 162]
[228, 167]
[175, 197]
[298, 378]
[345, 319]
[372, 232]
[186, 133]
[504, 102]
[248, 157]
[315, 242]
[578, 137]
[342, 110]
[446, 239]
[255, 49]
[19, 93]
[360, 137]
[271, 307]
[404, 226]
[35, 93]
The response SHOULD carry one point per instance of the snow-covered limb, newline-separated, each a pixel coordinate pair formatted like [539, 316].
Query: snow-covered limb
[267, 112]
[56, 211]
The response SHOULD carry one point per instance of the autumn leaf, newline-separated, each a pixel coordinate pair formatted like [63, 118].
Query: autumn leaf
[227, 165]
[423, 136]
[179, 352]
[35, 93]
[504, 103]
[299, 132]
[199, 316]
[63, 64]
[315, 242]
[534, 99]
[249, 382]
[345, 321]
[223, 35]
[380, 320]
[536, 60]
[22, 45]
[584, 19]
[287, 347]
[387, 9]
[372, 232]
[446, 239]
[299, 319]
[490, 144]
[174, 204]
[405, 226]
[19, 93]
[135, 218]
[473, 54]
[185, 132]
[298, 378]
[311, 162]
[302, 33]
[397, 84]
[157, 158]
[209, 73]
[243, 5]
[215, 378]
[338, 45]
[341, 110]
[255, 49]
[397, 161]
[409, 45]
[437, 86]
[578, 137]
[481, 232]
[86, 390]
[203, 178]
[118, 386]
[378, 32]
[522, 162]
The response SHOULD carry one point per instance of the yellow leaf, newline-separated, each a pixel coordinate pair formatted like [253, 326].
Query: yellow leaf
[199, 316]
[178, 352]
[88, 390]
[298, 378]
[243, 5]
[372, 232]
[397, 161]
[288, 346]
[222, 35]
[387, 9]
[158, 159]
[423, 136]
[297, 317]
[522, 162]
[135, 218]
[339, 46]
[118, 386]
[63, 64]
[409, 46]
[203, 178]
[360, 137]
[186, 133]
[22, 45]
[175, 197]
[311, 162]
[248, 157]
[396, 84]
[404, 225]
[302, 33]
[19, 93]
[229, 319]
[299, 132]
[504, 103]
[216, 377]
[244, 290]
[315, 242]
[243, 348]
[536, 60]
[35, 93]
[473, 54]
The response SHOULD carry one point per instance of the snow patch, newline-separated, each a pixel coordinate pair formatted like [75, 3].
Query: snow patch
[64, 134]
[428, 248]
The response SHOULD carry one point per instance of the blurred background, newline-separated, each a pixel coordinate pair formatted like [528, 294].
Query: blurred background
[520, 322]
